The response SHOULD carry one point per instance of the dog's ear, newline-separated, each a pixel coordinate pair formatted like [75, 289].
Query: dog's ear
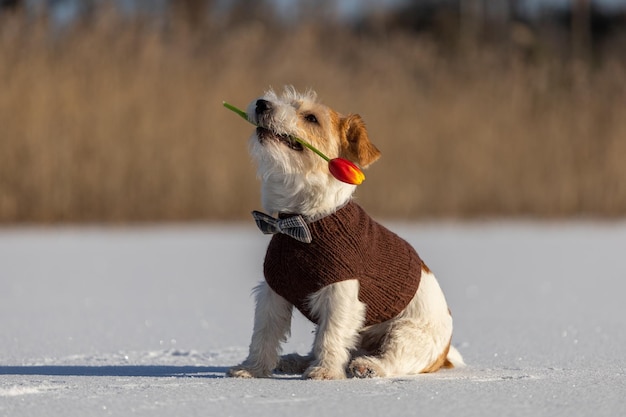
[355, 143]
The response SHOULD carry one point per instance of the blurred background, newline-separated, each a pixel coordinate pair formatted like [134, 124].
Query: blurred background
[111, 111]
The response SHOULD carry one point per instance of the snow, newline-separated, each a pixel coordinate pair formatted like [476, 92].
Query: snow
[146, 320]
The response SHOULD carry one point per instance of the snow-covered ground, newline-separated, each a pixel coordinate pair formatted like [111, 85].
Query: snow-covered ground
[145, 321]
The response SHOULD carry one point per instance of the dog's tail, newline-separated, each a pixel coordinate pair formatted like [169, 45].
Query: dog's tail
[454, 359]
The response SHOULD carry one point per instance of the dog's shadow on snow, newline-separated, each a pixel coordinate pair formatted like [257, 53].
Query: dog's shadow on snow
[155, 371]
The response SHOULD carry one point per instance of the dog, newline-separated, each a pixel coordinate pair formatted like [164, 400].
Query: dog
[379, 311]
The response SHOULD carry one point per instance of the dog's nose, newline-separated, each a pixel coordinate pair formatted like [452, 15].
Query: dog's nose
[263, 106]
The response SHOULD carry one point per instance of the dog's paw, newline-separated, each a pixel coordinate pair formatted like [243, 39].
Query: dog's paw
[242, 371]
[319, 372]
[365, 367]
[293, 364]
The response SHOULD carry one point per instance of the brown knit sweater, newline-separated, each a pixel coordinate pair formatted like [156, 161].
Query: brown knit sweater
[346, 245]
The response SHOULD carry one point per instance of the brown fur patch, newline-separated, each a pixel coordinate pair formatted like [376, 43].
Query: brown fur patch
[355, 142]
[447, 364]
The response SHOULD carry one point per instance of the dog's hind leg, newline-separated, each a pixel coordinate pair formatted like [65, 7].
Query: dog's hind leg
[272, 322]
[409, 348]
[417, 341]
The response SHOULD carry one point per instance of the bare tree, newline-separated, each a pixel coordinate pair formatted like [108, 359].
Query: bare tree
[192, 12]
[11, 5]
[472, 15]
[581, 29]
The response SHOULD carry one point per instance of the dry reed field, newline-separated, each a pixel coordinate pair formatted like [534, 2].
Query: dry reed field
[122, 121]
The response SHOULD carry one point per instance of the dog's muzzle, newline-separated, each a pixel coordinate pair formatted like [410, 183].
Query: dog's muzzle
[263, 112]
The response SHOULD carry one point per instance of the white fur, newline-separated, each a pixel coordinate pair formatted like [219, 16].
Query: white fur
[299, 182]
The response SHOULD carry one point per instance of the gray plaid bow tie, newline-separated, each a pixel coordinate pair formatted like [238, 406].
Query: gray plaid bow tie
[294, 226]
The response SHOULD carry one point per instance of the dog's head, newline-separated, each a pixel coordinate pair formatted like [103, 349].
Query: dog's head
[294, 179]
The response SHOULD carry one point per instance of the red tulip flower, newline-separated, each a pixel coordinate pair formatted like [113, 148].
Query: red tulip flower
[346, 171]
[342, 169]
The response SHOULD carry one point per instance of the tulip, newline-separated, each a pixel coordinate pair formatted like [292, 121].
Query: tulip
[342, 169]
[345, 171]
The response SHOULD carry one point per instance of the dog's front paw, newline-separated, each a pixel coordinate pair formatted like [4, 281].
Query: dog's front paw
[365, 367]
[242, 371]
[319, 372]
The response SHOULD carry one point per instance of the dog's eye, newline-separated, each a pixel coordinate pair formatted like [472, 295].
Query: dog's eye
[311, 118]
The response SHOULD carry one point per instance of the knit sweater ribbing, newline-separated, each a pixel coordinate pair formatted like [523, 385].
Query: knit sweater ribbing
[346, 245]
